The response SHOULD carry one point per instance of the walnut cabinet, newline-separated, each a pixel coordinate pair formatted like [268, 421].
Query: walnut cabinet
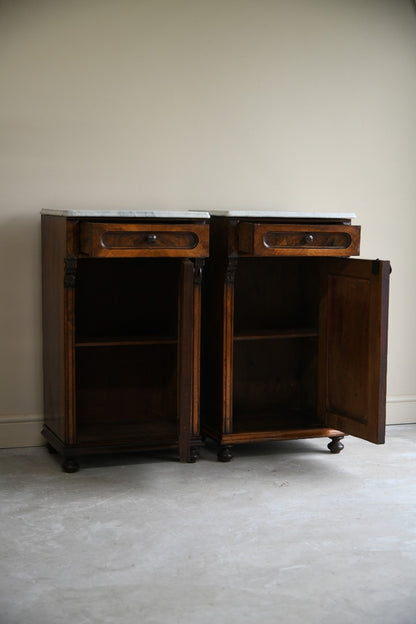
[293, 342]
[121, 327]
[294, 332]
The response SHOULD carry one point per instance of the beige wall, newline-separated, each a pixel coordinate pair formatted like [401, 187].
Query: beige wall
[280, 104]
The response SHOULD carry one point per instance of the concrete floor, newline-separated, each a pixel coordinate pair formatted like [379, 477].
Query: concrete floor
[285, 533]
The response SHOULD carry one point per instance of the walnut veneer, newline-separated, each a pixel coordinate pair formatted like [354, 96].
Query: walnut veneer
[294, 340]
[295, 333]
[121, 326]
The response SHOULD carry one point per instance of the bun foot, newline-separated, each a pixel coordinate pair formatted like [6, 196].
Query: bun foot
[70, 465]
[225, 454]
[194, 455]
[336, 446]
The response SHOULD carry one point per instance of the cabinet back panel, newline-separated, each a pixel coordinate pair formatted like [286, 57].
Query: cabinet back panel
[126, 297]
[126, 392]
[274, 375]
[273, 293]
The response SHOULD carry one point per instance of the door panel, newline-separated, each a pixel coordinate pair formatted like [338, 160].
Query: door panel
[353, 346]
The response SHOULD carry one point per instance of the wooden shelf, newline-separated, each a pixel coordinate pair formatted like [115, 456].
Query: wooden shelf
[115, 341]
[276, 334]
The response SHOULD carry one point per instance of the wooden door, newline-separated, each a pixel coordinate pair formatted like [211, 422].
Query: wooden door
[353, 346]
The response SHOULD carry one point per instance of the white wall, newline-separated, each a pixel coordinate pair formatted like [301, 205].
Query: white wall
[291, 104]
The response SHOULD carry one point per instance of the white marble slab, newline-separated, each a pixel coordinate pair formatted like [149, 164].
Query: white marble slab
[279, 214]
[196, 214]
[128, 214]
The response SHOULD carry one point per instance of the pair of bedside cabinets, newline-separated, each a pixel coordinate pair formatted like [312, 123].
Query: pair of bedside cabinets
[163, 328]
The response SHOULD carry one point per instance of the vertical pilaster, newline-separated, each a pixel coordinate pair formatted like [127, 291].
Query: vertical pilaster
[70, 273]
[228, 344]
[185, 358]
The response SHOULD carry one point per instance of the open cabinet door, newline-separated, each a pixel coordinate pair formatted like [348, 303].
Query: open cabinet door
[353, 346]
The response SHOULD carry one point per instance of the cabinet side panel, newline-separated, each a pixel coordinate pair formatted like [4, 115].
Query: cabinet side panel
[53, 253]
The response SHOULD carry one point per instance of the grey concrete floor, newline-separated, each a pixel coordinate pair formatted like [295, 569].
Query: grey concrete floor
[284, 533]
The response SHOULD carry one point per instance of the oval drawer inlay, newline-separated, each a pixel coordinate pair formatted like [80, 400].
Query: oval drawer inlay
[144, 240]
[278, 239]
[149, 240]
[325, 240]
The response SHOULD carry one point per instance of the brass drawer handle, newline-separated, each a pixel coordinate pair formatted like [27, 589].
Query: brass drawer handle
[150, 238]
[308, 239]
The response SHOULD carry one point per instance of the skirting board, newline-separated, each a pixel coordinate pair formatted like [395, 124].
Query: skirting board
[24, 430]
[21, 430]
[401, 410]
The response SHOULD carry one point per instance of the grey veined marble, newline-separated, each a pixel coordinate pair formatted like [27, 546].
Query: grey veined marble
[128, 214]
[196, 214]
[282, 214]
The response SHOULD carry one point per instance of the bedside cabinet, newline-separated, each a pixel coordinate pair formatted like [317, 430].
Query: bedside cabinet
[121, 327]
[294, 331]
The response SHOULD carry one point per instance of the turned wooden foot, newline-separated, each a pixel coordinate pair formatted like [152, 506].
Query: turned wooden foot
[193, 456]
[336, 446]
[70, 465]
[225, 453]
[51, 449]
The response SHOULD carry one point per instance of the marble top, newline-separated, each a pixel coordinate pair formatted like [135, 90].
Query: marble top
[196, 214]
[128, 214]
[280, 214]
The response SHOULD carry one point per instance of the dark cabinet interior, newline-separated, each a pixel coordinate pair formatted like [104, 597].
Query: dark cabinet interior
[275, 343]
[126, 337]
[126, 299]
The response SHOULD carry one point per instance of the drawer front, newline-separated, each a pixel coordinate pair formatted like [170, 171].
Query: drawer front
[121, 240]
[269, 239]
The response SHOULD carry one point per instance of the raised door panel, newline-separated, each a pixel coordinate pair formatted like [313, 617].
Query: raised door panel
[353, 346]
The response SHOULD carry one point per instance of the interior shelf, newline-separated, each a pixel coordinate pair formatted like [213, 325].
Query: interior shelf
[120, 341]
[276, 334]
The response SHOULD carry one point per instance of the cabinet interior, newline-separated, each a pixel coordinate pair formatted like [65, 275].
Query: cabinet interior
[126, 349]
[276, 311]
[126, 299]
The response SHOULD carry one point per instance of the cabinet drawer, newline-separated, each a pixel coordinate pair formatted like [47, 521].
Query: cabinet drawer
[121, 240]
[270, 239]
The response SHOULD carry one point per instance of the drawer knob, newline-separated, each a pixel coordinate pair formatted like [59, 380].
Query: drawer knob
[150, 238]
[308, 239]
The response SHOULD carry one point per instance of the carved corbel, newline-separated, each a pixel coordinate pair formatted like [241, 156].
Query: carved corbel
[198, 270]
[230, 271]
[70, 271]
